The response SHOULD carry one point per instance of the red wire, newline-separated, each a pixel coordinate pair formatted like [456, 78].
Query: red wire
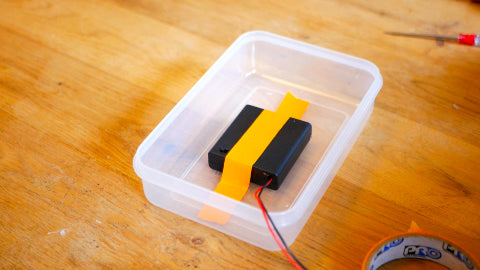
[264, 212]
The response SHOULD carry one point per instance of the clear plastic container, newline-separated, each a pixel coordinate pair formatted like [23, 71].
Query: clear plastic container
[259, 69]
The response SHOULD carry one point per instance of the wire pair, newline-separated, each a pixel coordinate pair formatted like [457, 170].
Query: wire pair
[280, 242]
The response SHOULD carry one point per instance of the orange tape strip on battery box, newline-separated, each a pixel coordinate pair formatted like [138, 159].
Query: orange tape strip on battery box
[240, 159]
[419, 244]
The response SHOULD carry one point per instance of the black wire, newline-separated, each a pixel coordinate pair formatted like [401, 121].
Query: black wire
[275, 228]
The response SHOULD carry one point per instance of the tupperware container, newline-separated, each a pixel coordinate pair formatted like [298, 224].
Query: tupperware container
[258, 69]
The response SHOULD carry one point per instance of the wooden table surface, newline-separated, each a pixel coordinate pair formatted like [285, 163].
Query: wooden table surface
[83, 82]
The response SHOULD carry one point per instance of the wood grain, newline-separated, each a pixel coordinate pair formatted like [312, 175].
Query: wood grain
[83, 82]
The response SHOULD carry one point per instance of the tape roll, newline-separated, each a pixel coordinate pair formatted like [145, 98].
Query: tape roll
[419, 244]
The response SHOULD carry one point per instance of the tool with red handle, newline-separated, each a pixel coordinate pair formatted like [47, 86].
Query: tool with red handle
[467, 39]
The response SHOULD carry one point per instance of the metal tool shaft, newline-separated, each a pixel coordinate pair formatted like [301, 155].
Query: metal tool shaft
[438, 37]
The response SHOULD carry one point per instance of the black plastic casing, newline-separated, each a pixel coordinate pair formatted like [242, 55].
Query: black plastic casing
[279, 156]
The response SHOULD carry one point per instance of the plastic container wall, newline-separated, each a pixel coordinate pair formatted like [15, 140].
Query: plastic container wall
[259, 69]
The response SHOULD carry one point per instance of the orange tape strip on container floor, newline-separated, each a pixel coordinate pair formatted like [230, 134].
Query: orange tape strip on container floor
[419, 244]
[240, 159]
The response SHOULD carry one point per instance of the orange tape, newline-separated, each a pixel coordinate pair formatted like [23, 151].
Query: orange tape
[240, 159]
[419, 244]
